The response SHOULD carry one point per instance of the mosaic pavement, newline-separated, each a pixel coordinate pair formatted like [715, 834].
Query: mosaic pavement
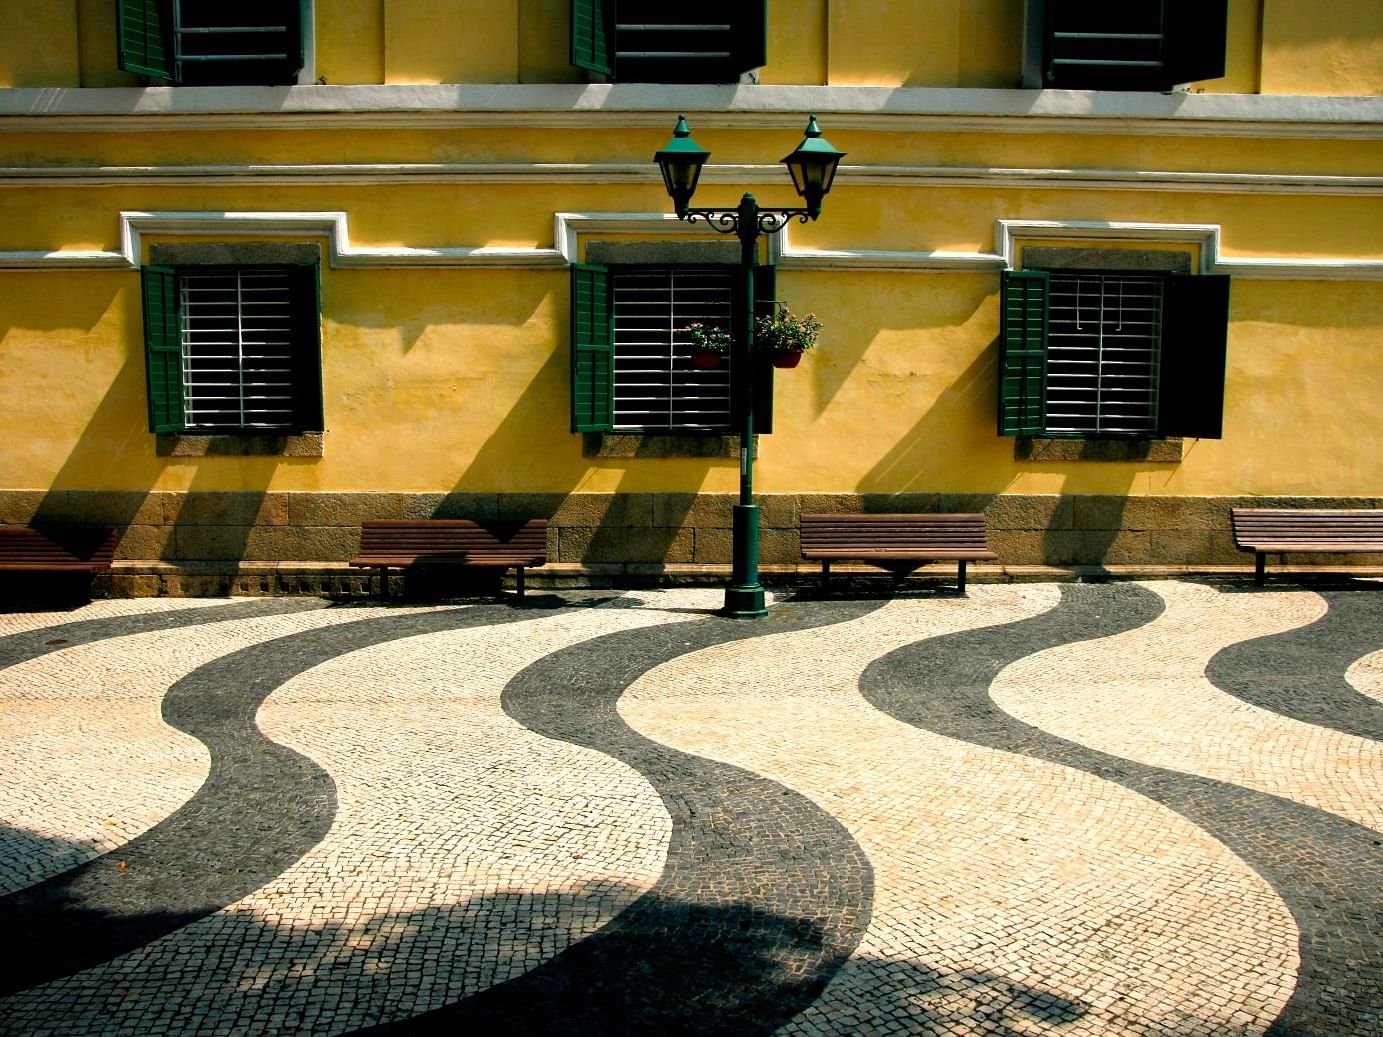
[1123, 809]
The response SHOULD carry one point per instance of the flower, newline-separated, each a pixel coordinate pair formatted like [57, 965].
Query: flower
[785, 333]
[708, 338]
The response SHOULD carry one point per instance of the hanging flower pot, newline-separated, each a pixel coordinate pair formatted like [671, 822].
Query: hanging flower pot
[709, 345]
[785, 336]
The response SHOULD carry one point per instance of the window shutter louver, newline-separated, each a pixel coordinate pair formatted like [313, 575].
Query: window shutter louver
[592, 350]
[1195, 331]
[306, 303]
[592, 24]
[1195, 40]
[162, 349]
[143, 35]
[1023, 305]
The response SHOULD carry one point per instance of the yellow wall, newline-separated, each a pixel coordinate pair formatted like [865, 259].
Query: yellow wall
[1276, 46]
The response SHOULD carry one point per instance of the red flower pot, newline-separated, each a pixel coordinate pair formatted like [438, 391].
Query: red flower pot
[787, 358]
[705, 360]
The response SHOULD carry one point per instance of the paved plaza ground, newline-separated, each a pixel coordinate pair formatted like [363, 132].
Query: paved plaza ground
[1037, 809]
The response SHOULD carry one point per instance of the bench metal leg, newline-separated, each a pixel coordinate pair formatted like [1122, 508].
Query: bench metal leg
[518, 581]
[960, 577]
[825, 576]
[1260, 568]
[384, 582]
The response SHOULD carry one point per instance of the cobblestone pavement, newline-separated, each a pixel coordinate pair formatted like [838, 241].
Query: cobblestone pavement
[1124, 809]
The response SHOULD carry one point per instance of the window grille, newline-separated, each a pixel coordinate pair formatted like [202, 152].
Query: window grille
[653, 42]
[1104, 335]
[656, 384]
[237, 349]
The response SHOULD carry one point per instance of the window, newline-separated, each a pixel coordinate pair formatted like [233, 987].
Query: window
[1133, 45]
[1108, 353]
[714, 41]
[632, 368]
[232, 349]
[211, 42]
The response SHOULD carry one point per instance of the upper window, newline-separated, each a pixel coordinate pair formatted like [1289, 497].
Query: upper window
[211, 42]
[1132, 45]
[714, 41]
[232, 349]
[1109, 353]
[632, 361]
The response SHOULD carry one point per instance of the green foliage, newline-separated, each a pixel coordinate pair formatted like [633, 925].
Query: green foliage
[786, 333]
[708, 338]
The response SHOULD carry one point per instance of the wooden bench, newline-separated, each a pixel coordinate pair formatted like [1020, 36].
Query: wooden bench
[75, 550]
[1266, 531]
[896, 542]
[402, 543]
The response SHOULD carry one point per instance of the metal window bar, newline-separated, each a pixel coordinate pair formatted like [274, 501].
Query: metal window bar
[657, 387]
[237, 349]
[184, 35]
[1104, 338]
[1129, 38]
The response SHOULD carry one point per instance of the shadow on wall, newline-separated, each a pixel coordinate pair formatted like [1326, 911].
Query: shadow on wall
[630, 525]
[955, 443]
[596, 958]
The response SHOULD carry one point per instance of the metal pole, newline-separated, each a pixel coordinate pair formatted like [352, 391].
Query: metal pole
[744, 598]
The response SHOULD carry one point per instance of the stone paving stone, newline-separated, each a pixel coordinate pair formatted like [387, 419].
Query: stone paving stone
[1008, 892]
[82, 722]
[458, 835]
[1300, 673]
[1326, 870]
[1366, 676]
[1142, 695]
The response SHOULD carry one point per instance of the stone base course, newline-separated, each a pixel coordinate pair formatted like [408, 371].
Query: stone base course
[285, 543]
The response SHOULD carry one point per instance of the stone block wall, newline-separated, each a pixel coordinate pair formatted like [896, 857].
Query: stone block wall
[647, 529]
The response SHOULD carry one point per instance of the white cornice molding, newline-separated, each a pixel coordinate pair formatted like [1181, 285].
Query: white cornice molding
[608, 106]
[569, 227]
[395, 173]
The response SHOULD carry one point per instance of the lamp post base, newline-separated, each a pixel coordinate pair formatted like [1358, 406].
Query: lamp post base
[744, 598]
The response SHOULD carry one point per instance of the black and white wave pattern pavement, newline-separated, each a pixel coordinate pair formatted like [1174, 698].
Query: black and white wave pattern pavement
[1141, 809]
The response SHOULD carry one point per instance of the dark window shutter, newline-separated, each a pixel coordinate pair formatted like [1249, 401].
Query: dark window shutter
[592, 350]
[750, 34]
[1195, 39]
[765, 288]
[1195, 330]
[144, 35]
[162, 349]
[592, 33]
[1023, 310]
[306, 302]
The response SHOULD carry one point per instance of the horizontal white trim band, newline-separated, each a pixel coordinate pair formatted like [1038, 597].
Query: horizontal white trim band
[746, 106]
[393, 174]
[333, 229]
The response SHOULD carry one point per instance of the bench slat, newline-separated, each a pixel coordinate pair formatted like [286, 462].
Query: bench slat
[905, 538]
[1267, 531]
[401, 543]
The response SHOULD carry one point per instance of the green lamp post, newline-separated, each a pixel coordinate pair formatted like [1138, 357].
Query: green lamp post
[813, 169]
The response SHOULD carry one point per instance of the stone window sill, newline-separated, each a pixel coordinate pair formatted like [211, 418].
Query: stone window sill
[633, 444]
[1037, 448]
[179, 444]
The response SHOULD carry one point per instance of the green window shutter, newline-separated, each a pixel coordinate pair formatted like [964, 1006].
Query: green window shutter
[306, 303]
[765, 292]
[1195, 36]
[592, 35]
[750, 33]
[1023, 308]
[1195, 332]
[143, 35]
[592, 350]
[162, 349]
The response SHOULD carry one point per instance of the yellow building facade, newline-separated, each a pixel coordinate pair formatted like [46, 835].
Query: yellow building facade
[404, 192]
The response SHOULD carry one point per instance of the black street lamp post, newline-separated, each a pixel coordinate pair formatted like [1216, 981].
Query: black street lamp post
[813, 169]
